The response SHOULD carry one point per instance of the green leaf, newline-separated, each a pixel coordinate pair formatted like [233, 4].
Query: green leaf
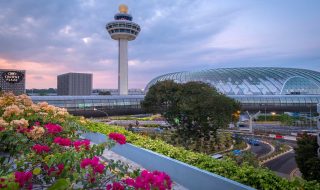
[60, 184]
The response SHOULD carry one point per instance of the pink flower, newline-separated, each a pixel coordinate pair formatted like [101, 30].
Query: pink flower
[2, 129]
[150, 180]
[118, 137]
[62, 141]
[129, 181]
[53, 128]
[55, 169]
[115, 186]
[37, 123]
[95, 165]
[22, 177]
[82, 143]
[40, 148]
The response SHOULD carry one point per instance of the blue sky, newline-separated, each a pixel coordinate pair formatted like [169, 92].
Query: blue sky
[52, 37]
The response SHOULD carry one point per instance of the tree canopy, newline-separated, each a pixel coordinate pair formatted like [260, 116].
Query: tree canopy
[195, 109]
[307, 157]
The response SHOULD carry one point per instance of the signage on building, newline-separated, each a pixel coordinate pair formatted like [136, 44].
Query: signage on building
[12, 76]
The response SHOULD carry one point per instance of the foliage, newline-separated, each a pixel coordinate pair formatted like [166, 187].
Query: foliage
[41, 148]
[256, 177]
[156, 117]
[195, 109]
[104, 93]
[307, 158]
[245, 157]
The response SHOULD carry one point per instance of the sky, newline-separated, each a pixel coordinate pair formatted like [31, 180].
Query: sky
[52, 37]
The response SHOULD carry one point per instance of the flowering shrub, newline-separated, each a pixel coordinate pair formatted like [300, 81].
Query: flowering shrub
[62, 141]
[23, 178]
[146, 180]
[53, 128]
[119, 138]
[82, 143]
[41, 148]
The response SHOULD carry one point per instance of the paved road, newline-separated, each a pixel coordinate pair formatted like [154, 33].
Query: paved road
[260, 150]
[283, 165]
[133, 122]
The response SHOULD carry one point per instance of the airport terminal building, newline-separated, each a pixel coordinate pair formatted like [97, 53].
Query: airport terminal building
[266, 89]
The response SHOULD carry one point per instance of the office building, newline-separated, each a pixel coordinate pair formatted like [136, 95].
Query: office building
[74, 84]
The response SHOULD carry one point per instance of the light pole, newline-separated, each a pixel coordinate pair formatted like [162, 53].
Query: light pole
[95, 109]
[318, 124]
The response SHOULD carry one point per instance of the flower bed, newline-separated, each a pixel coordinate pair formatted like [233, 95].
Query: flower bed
[249, 175]
[41, 148]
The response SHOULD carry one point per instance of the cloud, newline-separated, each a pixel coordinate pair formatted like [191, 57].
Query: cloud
[60, 36]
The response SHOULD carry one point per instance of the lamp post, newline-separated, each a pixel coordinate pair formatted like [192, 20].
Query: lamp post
[318, 125]
[95, 109]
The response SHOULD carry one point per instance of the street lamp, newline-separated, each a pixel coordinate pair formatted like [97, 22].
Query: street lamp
[95, 109]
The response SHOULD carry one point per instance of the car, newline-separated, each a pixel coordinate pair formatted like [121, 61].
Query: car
[217, 156]
[254, 142]
[236, 152]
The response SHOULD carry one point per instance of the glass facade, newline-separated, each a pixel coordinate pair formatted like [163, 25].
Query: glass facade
[95, 105]
[252, 81]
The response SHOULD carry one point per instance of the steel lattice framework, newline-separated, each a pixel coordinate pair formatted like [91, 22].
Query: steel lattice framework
[252, 80]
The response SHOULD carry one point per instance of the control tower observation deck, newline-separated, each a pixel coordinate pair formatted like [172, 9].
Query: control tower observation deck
[123, 30]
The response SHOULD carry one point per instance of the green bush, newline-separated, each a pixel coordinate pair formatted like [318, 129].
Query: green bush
[255, 177]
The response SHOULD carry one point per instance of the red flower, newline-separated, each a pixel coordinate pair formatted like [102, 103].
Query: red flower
[150, 180]
[94, 163]
[40, 148]
[118, 137]
[115, 186]
[82, 143]
[2, 129]
[53, 128]
[22, 177]
[62, 141]
[55, 169]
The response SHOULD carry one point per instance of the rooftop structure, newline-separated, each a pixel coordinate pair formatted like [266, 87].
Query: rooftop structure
[252, 80]
[123, 30]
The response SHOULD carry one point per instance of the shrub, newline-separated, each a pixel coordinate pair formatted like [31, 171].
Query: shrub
[255, 177]
[40, 148]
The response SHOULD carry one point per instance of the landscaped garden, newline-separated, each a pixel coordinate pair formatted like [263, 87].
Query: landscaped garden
[41, 148]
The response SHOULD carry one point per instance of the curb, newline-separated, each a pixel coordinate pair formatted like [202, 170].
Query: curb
[224, 151]
[247, 148]
[272, 149]
[276, 156]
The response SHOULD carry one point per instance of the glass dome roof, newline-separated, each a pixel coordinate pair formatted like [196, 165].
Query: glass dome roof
[252, 80]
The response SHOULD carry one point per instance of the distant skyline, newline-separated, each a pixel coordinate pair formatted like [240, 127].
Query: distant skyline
[49, 38]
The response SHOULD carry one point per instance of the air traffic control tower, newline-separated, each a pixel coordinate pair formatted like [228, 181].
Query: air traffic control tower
[123, 30]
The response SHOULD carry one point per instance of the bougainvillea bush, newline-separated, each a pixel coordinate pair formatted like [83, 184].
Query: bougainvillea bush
[41, 148]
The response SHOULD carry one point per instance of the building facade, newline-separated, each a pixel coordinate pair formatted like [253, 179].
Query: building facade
[74, 84]
[13, 81]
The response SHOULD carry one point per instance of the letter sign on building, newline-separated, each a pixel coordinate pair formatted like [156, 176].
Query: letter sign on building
[12, 76]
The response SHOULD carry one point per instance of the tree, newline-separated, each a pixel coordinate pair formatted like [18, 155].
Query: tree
[105, 93]
[195, 109]
[307, 158]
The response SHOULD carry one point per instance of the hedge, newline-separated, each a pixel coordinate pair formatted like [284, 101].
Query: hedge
[258, 178]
